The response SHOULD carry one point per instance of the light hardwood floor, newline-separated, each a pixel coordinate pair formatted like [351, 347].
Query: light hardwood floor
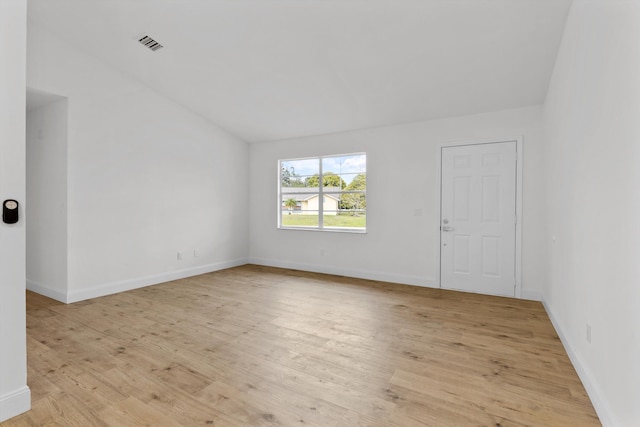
[255, 346]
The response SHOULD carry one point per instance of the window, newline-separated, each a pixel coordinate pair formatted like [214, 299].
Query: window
[338, 204]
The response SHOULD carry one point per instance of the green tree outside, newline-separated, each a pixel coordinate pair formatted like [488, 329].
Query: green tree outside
[289, 178]
[356, 201]
[329, 179]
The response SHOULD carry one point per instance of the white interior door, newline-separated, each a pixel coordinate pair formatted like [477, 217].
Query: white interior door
[478, 218]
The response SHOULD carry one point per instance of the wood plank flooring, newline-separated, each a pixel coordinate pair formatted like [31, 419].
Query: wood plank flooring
[257, 346]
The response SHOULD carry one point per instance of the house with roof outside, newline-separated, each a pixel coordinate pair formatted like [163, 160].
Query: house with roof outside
[307, 200]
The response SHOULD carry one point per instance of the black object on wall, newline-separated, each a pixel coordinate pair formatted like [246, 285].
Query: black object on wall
[10, 211]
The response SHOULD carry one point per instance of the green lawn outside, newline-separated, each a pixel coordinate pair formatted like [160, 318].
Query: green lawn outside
[329, 220]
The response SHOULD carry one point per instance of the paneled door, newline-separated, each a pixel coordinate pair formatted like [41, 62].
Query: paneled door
[478, 218]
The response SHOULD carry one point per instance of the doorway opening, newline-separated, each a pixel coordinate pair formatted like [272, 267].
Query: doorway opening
[46, 193]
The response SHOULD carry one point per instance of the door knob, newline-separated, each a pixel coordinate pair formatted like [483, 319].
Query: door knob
[444, 228]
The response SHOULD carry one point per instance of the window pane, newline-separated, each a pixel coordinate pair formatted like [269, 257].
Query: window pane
[292, 181]
[355, 181]
[298, 192]
[339, 165]
[332, 181]
[300, 201]
[332, 192]
[345, 219]
[354, 202]
[294, 172]
[299, 219]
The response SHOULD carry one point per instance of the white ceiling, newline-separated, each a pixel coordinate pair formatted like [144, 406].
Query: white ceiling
[275, 69]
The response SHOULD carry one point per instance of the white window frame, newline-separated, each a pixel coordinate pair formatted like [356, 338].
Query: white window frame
[321, 193]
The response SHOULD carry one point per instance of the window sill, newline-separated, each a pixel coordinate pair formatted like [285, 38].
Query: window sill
[327, 229]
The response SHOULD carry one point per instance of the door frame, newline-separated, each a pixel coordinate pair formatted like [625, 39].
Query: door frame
[519, 140]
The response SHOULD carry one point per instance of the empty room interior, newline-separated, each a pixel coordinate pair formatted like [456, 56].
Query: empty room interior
[320, 212]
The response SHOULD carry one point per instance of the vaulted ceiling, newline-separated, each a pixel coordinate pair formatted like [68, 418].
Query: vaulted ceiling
[276, 69]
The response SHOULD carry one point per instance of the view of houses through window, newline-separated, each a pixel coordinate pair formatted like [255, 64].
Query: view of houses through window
[326, 193]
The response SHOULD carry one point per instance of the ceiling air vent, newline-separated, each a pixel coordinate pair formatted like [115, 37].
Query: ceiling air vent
[150, 43]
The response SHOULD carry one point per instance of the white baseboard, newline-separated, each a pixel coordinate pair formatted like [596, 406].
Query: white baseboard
[129, 284]
[600, 403]
[527, 294]
[15, 403]
[45, 290]
[360, 274]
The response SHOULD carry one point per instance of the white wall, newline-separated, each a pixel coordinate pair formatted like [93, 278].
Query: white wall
[593, 184]
[147, 177]
[401, 178]
[47, 199]
[14, 393]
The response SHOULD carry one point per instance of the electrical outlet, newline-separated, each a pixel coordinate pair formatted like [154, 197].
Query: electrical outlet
[589, 333]
[195, 253]
[322, 252]
[180, 257]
